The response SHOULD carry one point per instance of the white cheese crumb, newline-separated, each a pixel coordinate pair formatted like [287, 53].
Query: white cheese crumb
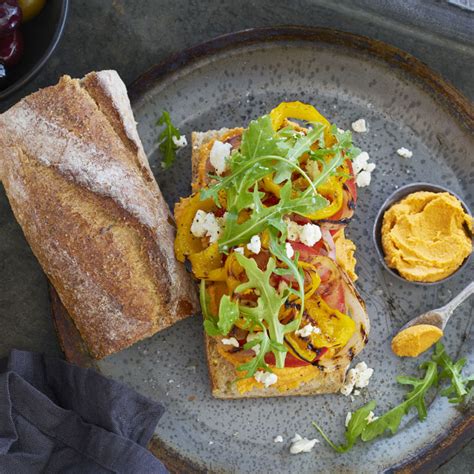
[363, 179]
[220, 152]
[211, 442]
[356, 393]
[239, 250]
[302, 445]
[267, 378]
[231, 341]
[293, 230]
[348, 418]
[359, 126]
[340, 130]
[255, 244]
[310, 234]
[405, 152]
[307, 234]
[180, 142]
[250, 337]
[360, 162]
[371, 417]
[362, 169]
[289, 250]
[307, 330]
[357, 377]
[206, 224]
[278, 439]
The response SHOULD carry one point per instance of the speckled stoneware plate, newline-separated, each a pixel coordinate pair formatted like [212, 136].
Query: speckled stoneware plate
[226, 83]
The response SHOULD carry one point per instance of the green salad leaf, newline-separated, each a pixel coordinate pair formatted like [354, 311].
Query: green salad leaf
[440, 367]
[459, 386]
[166, 145]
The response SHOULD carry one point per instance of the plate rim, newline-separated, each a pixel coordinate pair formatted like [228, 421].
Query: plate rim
[451, 441]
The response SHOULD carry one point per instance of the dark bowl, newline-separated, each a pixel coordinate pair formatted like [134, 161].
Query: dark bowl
[395, 197]
[41, 36]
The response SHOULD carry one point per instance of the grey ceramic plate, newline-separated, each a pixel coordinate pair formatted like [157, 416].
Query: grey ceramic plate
[228, 82]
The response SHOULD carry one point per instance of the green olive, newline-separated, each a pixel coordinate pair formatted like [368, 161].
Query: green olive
[31, 8]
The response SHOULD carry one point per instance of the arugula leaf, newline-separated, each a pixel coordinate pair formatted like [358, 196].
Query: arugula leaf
[360, 427]
[235, 233]
[416, 398]
[228, 314]
[460, 386]
[259, 139]
[166, 144]
[210, 324]
[357, 424]
[268, 306]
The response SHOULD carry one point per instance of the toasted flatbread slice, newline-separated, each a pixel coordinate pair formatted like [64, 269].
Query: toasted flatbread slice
[307, 380]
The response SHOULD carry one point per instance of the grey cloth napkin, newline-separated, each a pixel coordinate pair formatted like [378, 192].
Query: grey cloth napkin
[59, 418]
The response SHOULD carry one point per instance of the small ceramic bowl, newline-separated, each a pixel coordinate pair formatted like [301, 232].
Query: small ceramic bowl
[41, 37]
[395, 197]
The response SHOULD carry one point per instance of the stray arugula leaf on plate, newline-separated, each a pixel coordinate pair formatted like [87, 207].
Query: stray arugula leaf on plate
[167, 145]
[460, 386]
[359, 426]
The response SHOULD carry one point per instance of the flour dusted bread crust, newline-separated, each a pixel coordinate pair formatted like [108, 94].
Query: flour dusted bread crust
[80, 186]
[221, 372]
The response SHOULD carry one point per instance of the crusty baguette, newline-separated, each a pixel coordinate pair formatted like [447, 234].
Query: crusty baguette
[222, 372]
[80, 186]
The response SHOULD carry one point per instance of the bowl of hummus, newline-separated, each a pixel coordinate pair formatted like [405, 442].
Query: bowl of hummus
[423, 233]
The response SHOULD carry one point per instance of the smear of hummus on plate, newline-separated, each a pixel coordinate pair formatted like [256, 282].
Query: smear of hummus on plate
[426, 236]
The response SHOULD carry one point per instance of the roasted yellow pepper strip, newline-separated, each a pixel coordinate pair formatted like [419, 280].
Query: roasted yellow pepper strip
[206, 261]
[299, 110]
[184, 211]
[331, 190]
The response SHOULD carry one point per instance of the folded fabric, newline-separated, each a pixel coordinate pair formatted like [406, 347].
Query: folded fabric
[56, 417]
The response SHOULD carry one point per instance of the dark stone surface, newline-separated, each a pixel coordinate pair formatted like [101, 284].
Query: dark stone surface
[131, 36]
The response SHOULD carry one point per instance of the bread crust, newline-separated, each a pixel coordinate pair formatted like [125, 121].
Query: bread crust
[222, 373]
[80, 186]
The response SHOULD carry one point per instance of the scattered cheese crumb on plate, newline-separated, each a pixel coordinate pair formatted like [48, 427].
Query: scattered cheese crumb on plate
[302, 445]
[405, 152]
[359, 126]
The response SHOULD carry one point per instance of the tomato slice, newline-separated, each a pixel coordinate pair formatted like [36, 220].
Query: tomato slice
[307, 253]
[290, 360]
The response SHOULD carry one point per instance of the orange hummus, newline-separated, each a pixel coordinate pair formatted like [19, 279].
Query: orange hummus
[426, 236]
[412, 341]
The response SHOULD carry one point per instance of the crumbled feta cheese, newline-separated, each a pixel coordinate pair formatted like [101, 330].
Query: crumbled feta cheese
[371, 417]
[252, 336]
[405, 152]
[220, 152]
[340, 130]
[357, 377]
[360, 162]
[362, 169]
[356, 393]
[278, 439]
[255, 244]
[293, 230]
[307, 330]
[348, 418]
[363, 179]
[302, 445]
[231, 341]
[211, 442]
[359, 126]
[289, 250]
[267, 378]
[239, 250]
[206, 224]
[180, 142]
[310, 234]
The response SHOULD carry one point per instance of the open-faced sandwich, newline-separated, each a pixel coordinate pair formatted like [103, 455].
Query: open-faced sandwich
[264, 233]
